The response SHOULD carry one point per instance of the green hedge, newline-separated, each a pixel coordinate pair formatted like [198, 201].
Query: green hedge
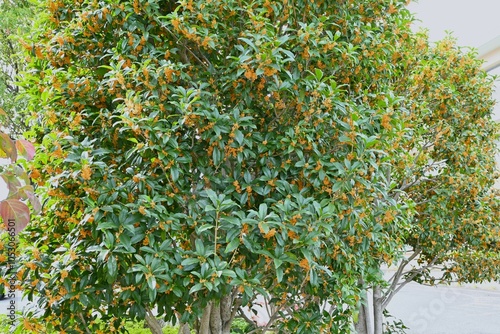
[239, 326]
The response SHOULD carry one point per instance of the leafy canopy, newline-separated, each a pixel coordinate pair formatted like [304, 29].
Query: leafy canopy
[206, 151]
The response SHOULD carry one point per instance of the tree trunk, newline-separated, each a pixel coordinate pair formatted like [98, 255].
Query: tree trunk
[184, 329]
[153, 324]
[218, 316]
[378, 310]
[364, 324]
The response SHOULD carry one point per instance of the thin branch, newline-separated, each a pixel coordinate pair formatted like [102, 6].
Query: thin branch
[396, 277]
[236, 307]
[85, 323]
[416, 182]
[12, 50]
[410, 279]
[267, 306]
[276, 315]
[440, 279]
[423, 202]
[203, 56]
[404, 263]
[186, 48]
[244, 316]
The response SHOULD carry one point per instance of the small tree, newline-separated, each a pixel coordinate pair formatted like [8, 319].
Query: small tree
[200, 155]
[447, 170]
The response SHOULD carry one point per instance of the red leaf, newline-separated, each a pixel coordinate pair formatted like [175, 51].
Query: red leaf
[15, 214]
[25, 149]
[29, 193]
[8, 147]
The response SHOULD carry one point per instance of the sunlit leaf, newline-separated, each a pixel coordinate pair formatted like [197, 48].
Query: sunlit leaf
[25, 149]
[27, 192]
[15, 214]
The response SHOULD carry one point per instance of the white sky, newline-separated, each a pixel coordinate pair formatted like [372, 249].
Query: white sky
[3, 186]
[472, 22]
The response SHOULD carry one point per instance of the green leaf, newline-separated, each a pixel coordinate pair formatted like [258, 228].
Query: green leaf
[152, 293]
[238, 135]
[249, 42]
[174, 173]
[228, 273]
[112, 268]
[318, 73]
[279, 274]
[232, 220]
[204, 227]
[232, 245]
[216, 156]
[190, 261]
[152, 283]
[195, 288]
[262, 211]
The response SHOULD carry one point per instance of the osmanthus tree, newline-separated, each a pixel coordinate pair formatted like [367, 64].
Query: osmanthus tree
[447, 171]
[198, 157]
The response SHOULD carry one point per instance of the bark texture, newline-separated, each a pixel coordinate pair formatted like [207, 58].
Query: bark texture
[184, 329]
[363, 325]
[218, 316]
[378, 310]
[153, 324]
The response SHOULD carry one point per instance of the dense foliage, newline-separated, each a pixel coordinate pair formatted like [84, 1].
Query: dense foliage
[201, 156]
[445, 166]
[449, 170]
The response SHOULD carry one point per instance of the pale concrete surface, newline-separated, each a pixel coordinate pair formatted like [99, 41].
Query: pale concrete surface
[469, 309]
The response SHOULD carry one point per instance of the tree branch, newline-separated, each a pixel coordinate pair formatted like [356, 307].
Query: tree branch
[414, 272]
[396, 277]
[244, 316]
[84, 323]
